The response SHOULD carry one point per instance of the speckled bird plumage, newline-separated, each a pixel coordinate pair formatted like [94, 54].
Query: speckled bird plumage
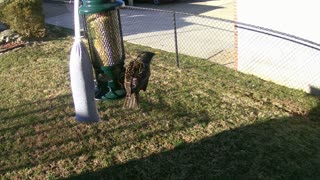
[136, 78]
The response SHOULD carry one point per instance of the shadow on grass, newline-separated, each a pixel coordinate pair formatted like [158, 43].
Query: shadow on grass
[56, 32]
[26, 105]
[272, 147]
[20, 122]
[28, 115]
[79, 131]
[288, 147]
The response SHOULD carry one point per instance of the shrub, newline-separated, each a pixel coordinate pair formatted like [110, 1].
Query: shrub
[25, 16]
[2, 4]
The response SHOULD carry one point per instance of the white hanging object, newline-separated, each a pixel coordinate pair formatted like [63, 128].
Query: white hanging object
[81, 76]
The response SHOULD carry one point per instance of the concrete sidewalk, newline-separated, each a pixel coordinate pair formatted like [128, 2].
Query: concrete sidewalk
[197, 36]
[224, 9]
[59, 14]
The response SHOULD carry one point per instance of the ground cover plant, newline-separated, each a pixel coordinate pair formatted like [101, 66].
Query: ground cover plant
[199, 121]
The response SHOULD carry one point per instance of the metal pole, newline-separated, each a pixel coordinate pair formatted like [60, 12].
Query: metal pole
[176, 38]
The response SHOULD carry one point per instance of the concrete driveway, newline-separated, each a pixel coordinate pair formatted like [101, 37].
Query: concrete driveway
[59, 14]
[197, 36]
[225, 9]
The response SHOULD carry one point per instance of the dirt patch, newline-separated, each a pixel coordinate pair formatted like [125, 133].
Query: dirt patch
[225, 57]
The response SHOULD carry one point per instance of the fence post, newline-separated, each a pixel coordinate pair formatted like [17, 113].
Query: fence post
[176, 38]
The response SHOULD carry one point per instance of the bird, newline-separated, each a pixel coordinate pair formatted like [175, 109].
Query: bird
[137, 75]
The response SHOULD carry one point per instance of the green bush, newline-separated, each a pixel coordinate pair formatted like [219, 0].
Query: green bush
[25, 16]
[2, 4]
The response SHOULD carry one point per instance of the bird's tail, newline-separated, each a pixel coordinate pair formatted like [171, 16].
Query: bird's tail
[131, 102]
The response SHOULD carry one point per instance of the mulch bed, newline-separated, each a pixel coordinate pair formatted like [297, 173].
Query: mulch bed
[10, 46]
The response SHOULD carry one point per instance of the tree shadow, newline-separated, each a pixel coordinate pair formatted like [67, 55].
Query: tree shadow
[56, 8]
[283, 148]
[55, 32]
[28, 122]
[182, 6]
[31, 111]
[137, 21]
[42, 144]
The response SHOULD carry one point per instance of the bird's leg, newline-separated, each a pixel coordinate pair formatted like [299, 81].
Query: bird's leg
[128, 95]
[132, 101]
[137, 104]
[145, 85]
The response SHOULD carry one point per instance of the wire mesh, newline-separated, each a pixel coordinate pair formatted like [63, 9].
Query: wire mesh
[104, 34]
[199, 36]
[148, 27]
[279, 57]
[207, 38]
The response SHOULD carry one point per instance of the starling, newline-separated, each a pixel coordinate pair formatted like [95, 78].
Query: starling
[136, 78]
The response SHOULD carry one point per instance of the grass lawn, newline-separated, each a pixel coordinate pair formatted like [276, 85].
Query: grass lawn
[197, 122]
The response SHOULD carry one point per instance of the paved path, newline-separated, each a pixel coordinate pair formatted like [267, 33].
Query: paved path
[59, 14]
[222, 8]
[197, 36]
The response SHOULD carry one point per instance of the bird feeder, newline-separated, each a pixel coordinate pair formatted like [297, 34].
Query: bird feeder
[103, 28]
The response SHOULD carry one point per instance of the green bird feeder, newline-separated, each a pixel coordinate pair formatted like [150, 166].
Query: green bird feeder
[103, 28]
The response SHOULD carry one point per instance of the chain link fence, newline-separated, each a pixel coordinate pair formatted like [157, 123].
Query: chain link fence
[149, 27]
[182, 33]
[282, 58]
[279, 57]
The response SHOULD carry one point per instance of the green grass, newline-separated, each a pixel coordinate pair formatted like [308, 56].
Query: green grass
[198, 121]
